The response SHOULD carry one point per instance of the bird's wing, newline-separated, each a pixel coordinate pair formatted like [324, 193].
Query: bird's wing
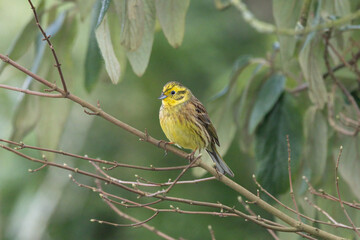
[203, 116]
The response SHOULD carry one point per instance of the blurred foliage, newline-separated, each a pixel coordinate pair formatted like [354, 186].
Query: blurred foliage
[248, 80]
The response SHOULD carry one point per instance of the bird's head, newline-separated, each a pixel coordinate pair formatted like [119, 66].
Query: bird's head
[174, 93]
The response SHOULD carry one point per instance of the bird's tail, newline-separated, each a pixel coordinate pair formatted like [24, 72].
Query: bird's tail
[220, 164]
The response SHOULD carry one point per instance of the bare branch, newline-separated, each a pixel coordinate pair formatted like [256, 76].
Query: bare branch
[47, 39]
[30, 92]
[247, 208]
[290, 180]
[338, 192]
[114, 164]
[126, 225]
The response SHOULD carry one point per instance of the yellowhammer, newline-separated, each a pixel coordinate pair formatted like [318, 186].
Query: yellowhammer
[186, 123]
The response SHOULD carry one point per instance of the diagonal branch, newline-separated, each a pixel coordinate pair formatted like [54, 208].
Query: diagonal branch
[30, 92]
[138, 223]
[338, 192]
[114, 164]
[47, 39]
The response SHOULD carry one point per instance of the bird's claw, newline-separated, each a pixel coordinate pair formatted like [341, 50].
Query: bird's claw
[191, 156]
[165, 144]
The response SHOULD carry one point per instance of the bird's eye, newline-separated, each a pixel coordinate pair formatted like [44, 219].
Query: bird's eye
[172, 92]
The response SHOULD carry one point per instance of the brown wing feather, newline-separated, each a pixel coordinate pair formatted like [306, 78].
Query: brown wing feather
[203, 116]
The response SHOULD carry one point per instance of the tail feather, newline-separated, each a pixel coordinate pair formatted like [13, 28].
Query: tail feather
[220, 164]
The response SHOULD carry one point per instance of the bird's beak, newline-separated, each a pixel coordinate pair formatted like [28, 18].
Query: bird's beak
[162, 96]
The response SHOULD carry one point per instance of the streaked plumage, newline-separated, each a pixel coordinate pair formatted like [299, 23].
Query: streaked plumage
[185, 122]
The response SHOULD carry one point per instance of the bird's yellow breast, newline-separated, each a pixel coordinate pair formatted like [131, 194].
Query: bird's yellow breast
[180, 129]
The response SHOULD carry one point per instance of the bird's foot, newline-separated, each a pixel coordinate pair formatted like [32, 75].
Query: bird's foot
[165, 144]
[191, 156]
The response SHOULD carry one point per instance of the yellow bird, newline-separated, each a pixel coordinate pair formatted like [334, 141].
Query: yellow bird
[186, 123]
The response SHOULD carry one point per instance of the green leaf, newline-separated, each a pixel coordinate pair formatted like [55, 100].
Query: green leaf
[271, 148]
[104, 7]
[249, 85]
[28, 111]
[286, 14]
[115, 31]
[103, 38]
[266, 99]
[337, 8]
[93, 56]
[133, 23]
[19, 47]
[340, 40]
[84, 7]
[139, 59]
[310, 59]
[349, 166]
[221, 113]
[26, 117]
[50, 126]
[315, 146]
[171, 14]
[41, 46]
[64, 43]
[240, 64]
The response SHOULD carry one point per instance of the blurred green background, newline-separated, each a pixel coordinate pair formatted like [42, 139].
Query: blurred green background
[47, 205]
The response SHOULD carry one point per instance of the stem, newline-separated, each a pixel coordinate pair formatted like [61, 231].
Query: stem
[265, 27]
[304, 12]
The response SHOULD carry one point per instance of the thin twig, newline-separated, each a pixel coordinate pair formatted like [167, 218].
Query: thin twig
[292, 210]
[47, 39]
[323, 194]
[265, 27]
[114, 164]
[351, 62]
[331, 117]
[194, 162]
[30, 92]
[292, 195]
[126, 225]
[332, 75]
[247, 208]
[37, 169]
[322, 211]
[212, 234]
[124, 215]
[338, 192]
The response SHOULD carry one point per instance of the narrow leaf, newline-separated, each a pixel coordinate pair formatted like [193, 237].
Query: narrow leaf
[20, 46]
[26, 117]
[115, 31]
[51, 123]
[349, 166]
[240, 64]
[271, 148]
[315, 146]
[41, 46]
[286, 14]
[133, 24]
[93, 56]
[221, 113]
[104, 7]
[266, 99]
[139, 59]
[251, 84]
[310, 58]
[103, 38]
[171, 14]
